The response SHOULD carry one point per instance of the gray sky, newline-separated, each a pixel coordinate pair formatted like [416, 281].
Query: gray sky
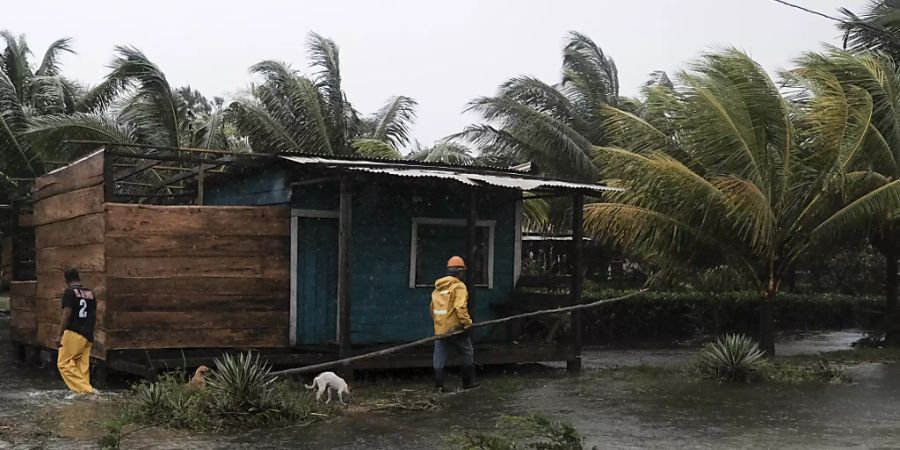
[443, 54]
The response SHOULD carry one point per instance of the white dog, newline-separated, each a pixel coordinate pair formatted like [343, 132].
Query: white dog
[329, 381]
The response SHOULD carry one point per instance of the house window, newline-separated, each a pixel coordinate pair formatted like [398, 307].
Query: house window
[434, 241]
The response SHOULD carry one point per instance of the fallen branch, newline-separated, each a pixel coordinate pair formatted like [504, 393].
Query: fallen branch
[347, 361]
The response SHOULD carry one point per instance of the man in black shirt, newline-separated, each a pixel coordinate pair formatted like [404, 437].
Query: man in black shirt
[76, 334]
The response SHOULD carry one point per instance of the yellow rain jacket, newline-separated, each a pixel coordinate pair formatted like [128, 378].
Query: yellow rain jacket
[449, 308]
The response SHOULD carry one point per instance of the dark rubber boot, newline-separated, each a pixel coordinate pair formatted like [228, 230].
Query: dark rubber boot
[469, 378]
[439, 380]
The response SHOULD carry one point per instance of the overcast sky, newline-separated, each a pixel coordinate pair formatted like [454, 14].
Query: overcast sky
[443, 54]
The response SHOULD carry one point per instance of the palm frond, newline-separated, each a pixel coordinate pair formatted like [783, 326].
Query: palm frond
[13, 122]
[155, 110]
[393, 120]
[325, 57]
[374, 148]
[50, 64]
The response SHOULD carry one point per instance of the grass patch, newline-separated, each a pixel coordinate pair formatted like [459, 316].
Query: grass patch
[859, 355]
[520, 432]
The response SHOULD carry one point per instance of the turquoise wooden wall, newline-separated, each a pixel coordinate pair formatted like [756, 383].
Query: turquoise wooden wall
[384, 309]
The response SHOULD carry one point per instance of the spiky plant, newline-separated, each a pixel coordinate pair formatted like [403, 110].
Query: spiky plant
[734, 357]
[241, 384]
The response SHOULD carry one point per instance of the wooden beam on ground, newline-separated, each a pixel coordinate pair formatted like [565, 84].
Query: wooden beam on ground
[346, 362]
[574, 363]
[344, 278]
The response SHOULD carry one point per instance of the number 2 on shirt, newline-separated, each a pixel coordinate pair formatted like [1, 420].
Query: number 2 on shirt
[82, 313]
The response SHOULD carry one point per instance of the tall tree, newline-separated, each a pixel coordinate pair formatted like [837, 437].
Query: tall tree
[134, 104]
[28, 92]
[555, 125]
[294, 113]
[839, 77]
[730, 176]
[878, 28]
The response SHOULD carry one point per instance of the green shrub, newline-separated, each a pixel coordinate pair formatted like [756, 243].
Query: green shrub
[515, 432]
[732, 358]
[795, 373]
[674, 315]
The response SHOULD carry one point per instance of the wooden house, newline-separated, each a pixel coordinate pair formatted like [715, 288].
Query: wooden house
[303, 258]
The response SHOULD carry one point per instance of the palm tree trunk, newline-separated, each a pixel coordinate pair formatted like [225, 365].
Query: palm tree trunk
[767, 323]
[891, 331]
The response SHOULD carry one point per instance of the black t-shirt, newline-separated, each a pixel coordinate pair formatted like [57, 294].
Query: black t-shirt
[84, 311]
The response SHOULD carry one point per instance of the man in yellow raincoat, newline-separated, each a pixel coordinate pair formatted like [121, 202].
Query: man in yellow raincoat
[449, 312]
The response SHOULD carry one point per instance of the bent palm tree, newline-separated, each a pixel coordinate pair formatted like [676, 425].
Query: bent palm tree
[836, 75]
[293, 113]
[557, 125]
[878, 28]
[729, 176]
[26, 93]
[134, 104]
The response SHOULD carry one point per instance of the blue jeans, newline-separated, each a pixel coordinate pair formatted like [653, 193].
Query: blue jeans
[462, 345]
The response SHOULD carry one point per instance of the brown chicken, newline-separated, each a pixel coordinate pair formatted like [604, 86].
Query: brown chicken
[198, 381]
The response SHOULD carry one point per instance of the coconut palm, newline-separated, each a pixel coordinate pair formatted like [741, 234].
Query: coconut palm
[445, 152]
[878, 28]
[294, 113]
[837, 76]
[727, 176]
[27, 92]
[134, 104]
[554, 125]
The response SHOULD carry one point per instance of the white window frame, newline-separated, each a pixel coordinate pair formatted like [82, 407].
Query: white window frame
[416, 221]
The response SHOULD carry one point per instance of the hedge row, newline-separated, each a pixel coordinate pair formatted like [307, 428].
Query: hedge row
[661, 316]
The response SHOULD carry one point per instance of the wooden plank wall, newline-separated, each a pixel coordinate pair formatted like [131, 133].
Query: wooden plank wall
[189, 276]
[69, 228]
[23, 321]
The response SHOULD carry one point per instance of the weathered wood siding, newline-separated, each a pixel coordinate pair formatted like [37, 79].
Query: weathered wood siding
[69, 227]
[189, 276]
[23, 323]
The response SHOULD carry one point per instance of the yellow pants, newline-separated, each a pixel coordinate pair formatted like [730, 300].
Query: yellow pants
[74, 362]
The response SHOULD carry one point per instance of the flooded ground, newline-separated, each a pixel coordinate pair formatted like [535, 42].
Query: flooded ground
[611, 412]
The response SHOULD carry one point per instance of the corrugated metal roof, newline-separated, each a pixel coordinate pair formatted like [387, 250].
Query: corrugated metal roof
[506, 179]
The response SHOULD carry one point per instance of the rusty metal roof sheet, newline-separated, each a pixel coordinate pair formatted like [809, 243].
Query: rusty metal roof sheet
[474, 177]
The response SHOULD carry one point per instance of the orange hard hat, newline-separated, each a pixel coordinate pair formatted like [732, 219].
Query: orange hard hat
[456, 261]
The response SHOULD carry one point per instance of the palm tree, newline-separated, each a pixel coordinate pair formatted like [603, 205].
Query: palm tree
[555, 125]
[134, 105]
[444, 152]
[729, 177]
[878, 28]
[27, 92]
[838, 77]
[293, 113]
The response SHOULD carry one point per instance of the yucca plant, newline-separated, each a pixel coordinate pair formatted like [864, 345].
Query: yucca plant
[241, 384]
[734, 357]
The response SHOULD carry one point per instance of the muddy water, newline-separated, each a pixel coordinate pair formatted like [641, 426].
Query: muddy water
[651, 413]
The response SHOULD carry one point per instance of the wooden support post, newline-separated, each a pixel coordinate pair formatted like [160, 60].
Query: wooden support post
[343, 291]
[200, 171]
[109, 178]
[471, 245]
[573, 365]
